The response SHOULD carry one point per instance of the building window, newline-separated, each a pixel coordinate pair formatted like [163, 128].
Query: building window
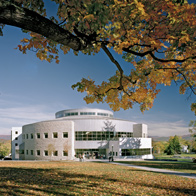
[45, 153]
[27, 152]
[71, 114]
[55, 135]
[31, 135]
[38, 135]
[17, 151]
[116, 153]
[38, 152]
[45, 135]
[23, 136]
[16, 132]
[134, 152]
[55, 153]
[27, 136]
[100, 135]
[31, 152]
[87, 113]
[65, 153]
[21, 151]
[65, 134]
[16, 144]
[16, 138]
[102, 114]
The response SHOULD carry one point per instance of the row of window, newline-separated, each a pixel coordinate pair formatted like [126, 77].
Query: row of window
[87, 113]
[104, 114]
[133, 152]
[71, 114]
[45, 153]
[83, 113]
[100, 135]
[45, 135]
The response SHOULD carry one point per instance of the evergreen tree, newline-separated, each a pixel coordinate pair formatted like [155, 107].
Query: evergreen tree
[174, 146]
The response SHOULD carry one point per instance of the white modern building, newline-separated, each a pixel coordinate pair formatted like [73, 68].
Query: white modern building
[94, 132]
[16, 138]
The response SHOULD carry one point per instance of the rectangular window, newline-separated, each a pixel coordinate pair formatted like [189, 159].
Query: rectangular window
[31, 152]
[17, 152]
[27, 152]
[45, 135]
[27, 136]
[65, 153]
[84, 136]
[31, 135]
[16, 132]
[55, 135]
[134, 152]
[23, 136]
[16, 144]
[65, 134]
[21, 151]
[55, 153]
[45, 153]
[16, 138]
[38, 152]
[116, 153]
[90, 136]
[38, 135]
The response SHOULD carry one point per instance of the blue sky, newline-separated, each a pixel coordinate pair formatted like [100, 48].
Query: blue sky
[32, 90]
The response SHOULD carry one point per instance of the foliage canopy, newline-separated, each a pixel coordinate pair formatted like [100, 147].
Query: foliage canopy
[157, 37]
[174, 146]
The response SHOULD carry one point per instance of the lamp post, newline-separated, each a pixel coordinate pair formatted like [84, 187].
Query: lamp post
[112, 153]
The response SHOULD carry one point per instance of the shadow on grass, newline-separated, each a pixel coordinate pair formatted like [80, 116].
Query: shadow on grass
[18, 181]
[25, 181]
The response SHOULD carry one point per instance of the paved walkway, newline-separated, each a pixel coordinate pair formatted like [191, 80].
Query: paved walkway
[164, 171]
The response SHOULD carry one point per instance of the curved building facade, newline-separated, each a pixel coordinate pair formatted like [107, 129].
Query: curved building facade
[93, 132]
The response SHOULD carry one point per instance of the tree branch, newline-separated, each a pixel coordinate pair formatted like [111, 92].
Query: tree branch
[112, 58]
[150, 52]
[12, 14]
[180, 72]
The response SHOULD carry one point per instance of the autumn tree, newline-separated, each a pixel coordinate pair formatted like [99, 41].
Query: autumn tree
[157, 38]
[51, 150]
[5, 149]
[192, 130]
[159, 147]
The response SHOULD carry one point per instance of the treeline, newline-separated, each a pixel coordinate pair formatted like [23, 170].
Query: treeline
[175, 145]
[5, 148]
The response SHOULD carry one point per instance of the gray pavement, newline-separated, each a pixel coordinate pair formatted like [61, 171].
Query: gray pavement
[164, 171]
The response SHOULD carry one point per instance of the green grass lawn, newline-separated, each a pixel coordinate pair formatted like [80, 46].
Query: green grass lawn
[179, 157]
[187, 167]
[88, 178]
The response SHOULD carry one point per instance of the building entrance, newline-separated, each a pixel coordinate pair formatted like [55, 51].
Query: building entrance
[92, 153]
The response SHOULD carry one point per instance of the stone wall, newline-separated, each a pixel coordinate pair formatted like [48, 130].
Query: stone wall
[48, 140]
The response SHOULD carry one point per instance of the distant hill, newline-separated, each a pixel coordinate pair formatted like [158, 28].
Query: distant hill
[5, 137]
[157, 138]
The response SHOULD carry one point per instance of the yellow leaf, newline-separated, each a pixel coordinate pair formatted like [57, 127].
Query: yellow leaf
[25, 40]
[89, 17]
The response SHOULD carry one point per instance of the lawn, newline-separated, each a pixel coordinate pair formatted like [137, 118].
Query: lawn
[180, 157]
[88, 178]
[187, 167]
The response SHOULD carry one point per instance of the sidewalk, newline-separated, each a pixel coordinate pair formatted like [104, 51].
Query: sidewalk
[164, 171]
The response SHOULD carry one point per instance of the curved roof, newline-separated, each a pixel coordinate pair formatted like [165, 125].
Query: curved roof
[85, 112]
